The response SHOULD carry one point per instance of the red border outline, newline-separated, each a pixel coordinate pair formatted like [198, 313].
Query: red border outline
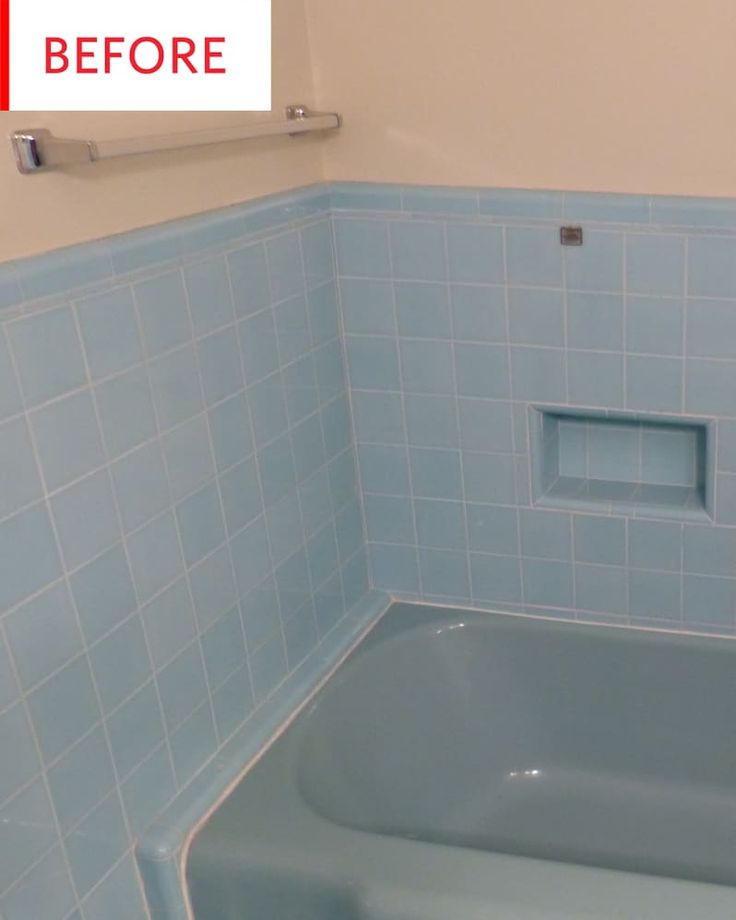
[4, 55]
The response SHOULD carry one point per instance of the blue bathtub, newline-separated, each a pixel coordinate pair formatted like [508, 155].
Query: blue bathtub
[463, 765]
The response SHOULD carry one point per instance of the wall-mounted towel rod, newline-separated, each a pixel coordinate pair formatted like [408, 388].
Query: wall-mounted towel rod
[36, 149]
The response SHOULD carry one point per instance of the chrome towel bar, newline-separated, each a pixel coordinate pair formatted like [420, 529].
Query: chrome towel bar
[36, 149]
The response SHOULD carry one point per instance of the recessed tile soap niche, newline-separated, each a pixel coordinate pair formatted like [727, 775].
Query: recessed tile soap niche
[625, 463]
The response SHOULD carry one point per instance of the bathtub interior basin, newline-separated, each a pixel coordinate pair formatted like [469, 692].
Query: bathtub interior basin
[487, 745]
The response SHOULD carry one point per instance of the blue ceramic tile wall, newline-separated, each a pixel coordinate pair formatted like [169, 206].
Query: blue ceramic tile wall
[179, 526]
[461, 311]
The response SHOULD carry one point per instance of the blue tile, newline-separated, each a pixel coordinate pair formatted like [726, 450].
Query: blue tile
[323, 313]
[545, 534]
[223, 648]
[86, 518]
[28, 556]
[135, 729]
[597, 265]
[711, 325]
[168, 622]
[268, 408]
[329, 605]
[431, 421]
[493, 530]
[103, 592]
[188, 456]
[162, 306]
[120, 663]
[495, 579]
[394, 567]
[46, 892]
[208, 290]
[696, 212]
[482, 370]
[300, 635]
[349, 529]
[516, 202]
[249, 279]
[654, 545]
[200, 523]
[726, 499]
[547, 583]
[655, 263]
[96, 844]
[125, 404]
[18, 468]
[337, 427]
[10, 401]
[309, 446]
[475, 253]
[709, 601]
[230, 429]
[328, 366]
[601, 587]
[258, 346]
[710, 387]
[436, 473]
[276, 466]
[48, 354]
[193, 743]
[389, 519]
[260, 614]
[595, 379]
[440, 525]
[140, 485]
[285, 266]
[147, 790]
[709, 550]
[316, 243]
[489, 478]
[64, 708]
[366, 195]
[444, 573]
[536, 317]
[418, 251]
[284, 524]
[614, 452]
[219, 363]
[712, 266]
[654, 594]
[595, 321]
[355, 580]
[68, 439]
[367, 306]
[538, 374]
[81, 779]
[250, 557]
[427, 367]
[232, 701]
[322, 553]
[478, 313]
[654, 384]
[28, 832]
[600, 539]
[378, 417]
[300, 387]
[654, 325]
[182, 686]
[10, 292]
[485, 425]
[155, 558]
[439, 200]
[597, 206]
[373, 363]
[109, 332]
[118, 897]
[176, 388]
[241, 495]
[144, 248]
[268, 667]
[292, 328]
[669, 457]
[64, 269]
[292, 583]
[20, 760]
[362, 248]
[534, 256]
[422, 309]
[213, 588]
[727, 445]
